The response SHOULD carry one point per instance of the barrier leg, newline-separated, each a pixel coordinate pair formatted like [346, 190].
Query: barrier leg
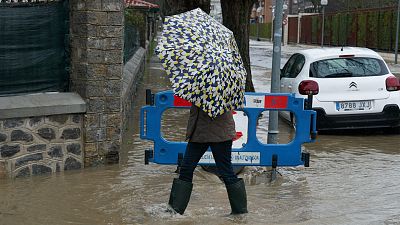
[274, 165]
[149, 97]
[147, 155]
[305, 157]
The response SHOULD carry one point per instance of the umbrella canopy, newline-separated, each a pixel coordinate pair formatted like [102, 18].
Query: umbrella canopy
[203, 62]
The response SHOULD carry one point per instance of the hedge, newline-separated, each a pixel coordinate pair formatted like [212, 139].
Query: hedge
[263, 32]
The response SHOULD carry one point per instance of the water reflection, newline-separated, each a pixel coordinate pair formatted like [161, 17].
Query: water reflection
[174, 123]
[353, 179]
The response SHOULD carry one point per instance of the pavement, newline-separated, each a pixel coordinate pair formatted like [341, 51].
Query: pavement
[263, 48]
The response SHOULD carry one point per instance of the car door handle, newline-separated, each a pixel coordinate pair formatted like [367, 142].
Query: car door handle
[290, 87]
[282, 85]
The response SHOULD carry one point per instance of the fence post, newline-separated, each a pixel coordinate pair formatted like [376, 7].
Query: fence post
[323, 27]
[397, 33]
[298, 28]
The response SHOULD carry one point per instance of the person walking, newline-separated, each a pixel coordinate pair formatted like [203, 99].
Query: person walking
[205, 68]
[203, 132]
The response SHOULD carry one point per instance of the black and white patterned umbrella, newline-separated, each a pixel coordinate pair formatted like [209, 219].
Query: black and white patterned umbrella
[203, 62]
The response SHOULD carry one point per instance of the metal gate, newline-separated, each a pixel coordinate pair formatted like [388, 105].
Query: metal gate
[293, 29]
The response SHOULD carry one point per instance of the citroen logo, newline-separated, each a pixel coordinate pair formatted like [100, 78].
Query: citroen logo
[353, 84]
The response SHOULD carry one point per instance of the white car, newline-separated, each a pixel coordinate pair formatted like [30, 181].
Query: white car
[355, 87]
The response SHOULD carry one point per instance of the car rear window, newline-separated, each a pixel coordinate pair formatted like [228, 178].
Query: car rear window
[348, 67]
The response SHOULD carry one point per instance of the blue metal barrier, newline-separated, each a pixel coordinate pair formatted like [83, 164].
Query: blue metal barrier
[253, 152]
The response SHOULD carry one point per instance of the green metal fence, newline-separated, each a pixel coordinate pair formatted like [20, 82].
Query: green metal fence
[34, 47]
[372, 28]
[135, 32]
[264, 30]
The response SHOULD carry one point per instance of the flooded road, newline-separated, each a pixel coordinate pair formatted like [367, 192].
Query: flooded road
[352, 179]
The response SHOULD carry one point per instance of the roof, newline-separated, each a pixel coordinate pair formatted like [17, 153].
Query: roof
[140, 4]
[315, 54]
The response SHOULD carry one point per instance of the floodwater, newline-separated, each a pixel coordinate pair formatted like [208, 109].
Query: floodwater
[352, 179]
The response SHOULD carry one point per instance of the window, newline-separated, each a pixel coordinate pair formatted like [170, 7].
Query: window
[348, 67]
[297, 66]
[288, 66]
[293, 66]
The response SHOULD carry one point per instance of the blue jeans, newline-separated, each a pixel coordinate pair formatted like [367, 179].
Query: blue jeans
[222, 156]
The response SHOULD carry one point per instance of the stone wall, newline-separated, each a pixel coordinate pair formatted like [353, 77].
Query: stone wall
[42, 144]
[96, 35]
[50, 132]
[40, 133]
[133, 71]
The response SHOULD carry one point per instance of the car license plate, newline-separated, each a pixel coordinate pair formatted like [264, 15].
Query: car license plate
[354, 106]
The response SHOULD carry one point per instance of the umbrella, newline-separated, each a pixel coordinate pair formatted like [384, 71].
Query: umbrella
[203, 62]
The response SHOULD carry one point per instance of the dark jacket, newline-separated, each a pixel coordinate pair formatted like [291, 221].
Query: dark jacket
[201, 128]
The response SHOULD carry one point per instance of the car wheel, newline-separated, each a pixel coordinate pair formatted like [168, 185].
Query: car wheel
[393, 130]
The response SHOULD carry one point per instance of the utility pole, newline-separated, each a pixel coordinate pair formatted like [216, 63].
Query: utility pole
[323, 4]
[276, 70]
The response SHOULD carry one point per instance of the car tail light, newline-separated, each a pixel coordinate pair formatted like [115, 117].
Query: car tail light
[308, 87]
[346, 56]
[392, 83]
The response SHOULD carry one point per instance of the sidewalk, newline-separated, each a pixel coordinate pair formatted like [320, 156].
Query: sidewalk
[289, 49]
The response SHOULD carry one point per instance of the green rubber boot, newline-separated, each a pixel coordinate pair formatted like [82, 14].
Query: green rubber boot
[237, 197]
[180, 195]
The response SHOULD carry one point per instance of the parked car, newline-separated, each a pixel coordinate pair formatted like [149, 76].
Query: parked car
[355, 87]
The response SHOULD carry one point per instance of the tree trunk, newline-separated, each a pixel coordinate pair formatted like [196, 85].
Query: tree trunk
[172, 7]
[236, 17]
